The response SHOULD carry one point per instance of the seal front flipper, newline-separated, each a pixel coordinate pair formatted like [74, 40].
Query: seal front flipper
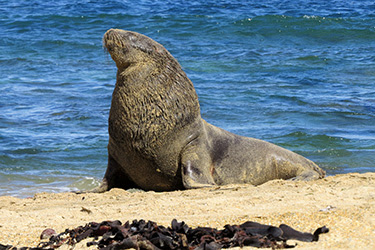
[195, 170]
[193, 177]
[114, 178]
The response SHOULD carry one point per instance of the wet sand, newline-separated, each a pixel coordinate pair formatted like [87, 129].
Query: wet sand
[343, 203]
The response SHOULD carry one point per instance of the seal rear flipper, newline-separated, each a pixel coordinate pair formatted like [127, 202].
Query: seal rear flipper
[309, 175]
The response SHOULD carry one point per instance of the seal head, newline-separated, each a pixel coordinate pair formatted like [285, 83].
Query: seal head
[129, 48]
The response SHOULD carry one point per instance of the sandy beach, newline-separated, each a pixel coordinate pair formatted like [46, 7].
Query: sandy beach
[343, 203]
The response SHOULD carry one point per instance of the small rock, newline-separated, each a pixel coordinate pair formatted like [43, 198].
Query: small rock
[47, 233]
[328, 208]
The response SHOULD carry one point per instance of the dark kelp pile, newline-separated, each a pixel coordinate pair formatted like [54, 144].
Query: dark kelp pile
[148, 235]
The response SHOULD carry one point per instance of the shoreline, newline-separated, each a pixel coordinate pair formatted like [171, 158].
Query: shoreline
[344, 203]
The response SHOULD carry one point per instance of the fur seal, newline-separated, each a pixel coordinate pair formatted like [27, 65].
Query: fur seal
[158, 140]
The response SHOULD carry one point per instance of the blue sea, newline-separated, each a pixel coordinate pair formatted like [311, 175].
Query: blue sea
[300, 74]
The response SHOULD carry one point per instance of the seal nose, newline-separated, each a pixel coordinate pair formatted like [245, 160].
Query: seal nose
[112, 38]
[116, 32]
[109, 34]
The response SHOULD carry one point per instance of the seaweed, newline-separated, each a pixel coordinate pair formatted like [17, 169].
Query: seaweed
[139, 234]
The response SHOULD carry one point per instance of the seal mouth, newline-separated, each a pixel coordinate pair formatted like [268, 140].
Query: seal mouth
[115, 44]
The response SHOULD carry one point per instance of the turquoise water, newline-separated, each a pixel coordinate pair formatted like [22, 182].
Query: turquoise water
[300, 74]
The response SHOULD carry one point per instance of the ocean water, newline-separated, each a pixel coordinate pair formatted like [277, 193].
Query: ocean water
[300, 74]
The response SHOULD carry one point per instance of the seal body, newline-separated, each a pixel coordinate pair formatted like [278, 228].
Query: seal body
[158, 140]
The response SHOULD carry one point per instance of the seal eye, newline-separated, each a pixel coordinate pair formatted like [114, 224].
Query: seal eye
[125, 50]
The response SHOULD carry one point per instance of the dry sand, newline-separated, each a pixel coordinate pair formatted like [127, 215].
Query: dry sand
[343, 203]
